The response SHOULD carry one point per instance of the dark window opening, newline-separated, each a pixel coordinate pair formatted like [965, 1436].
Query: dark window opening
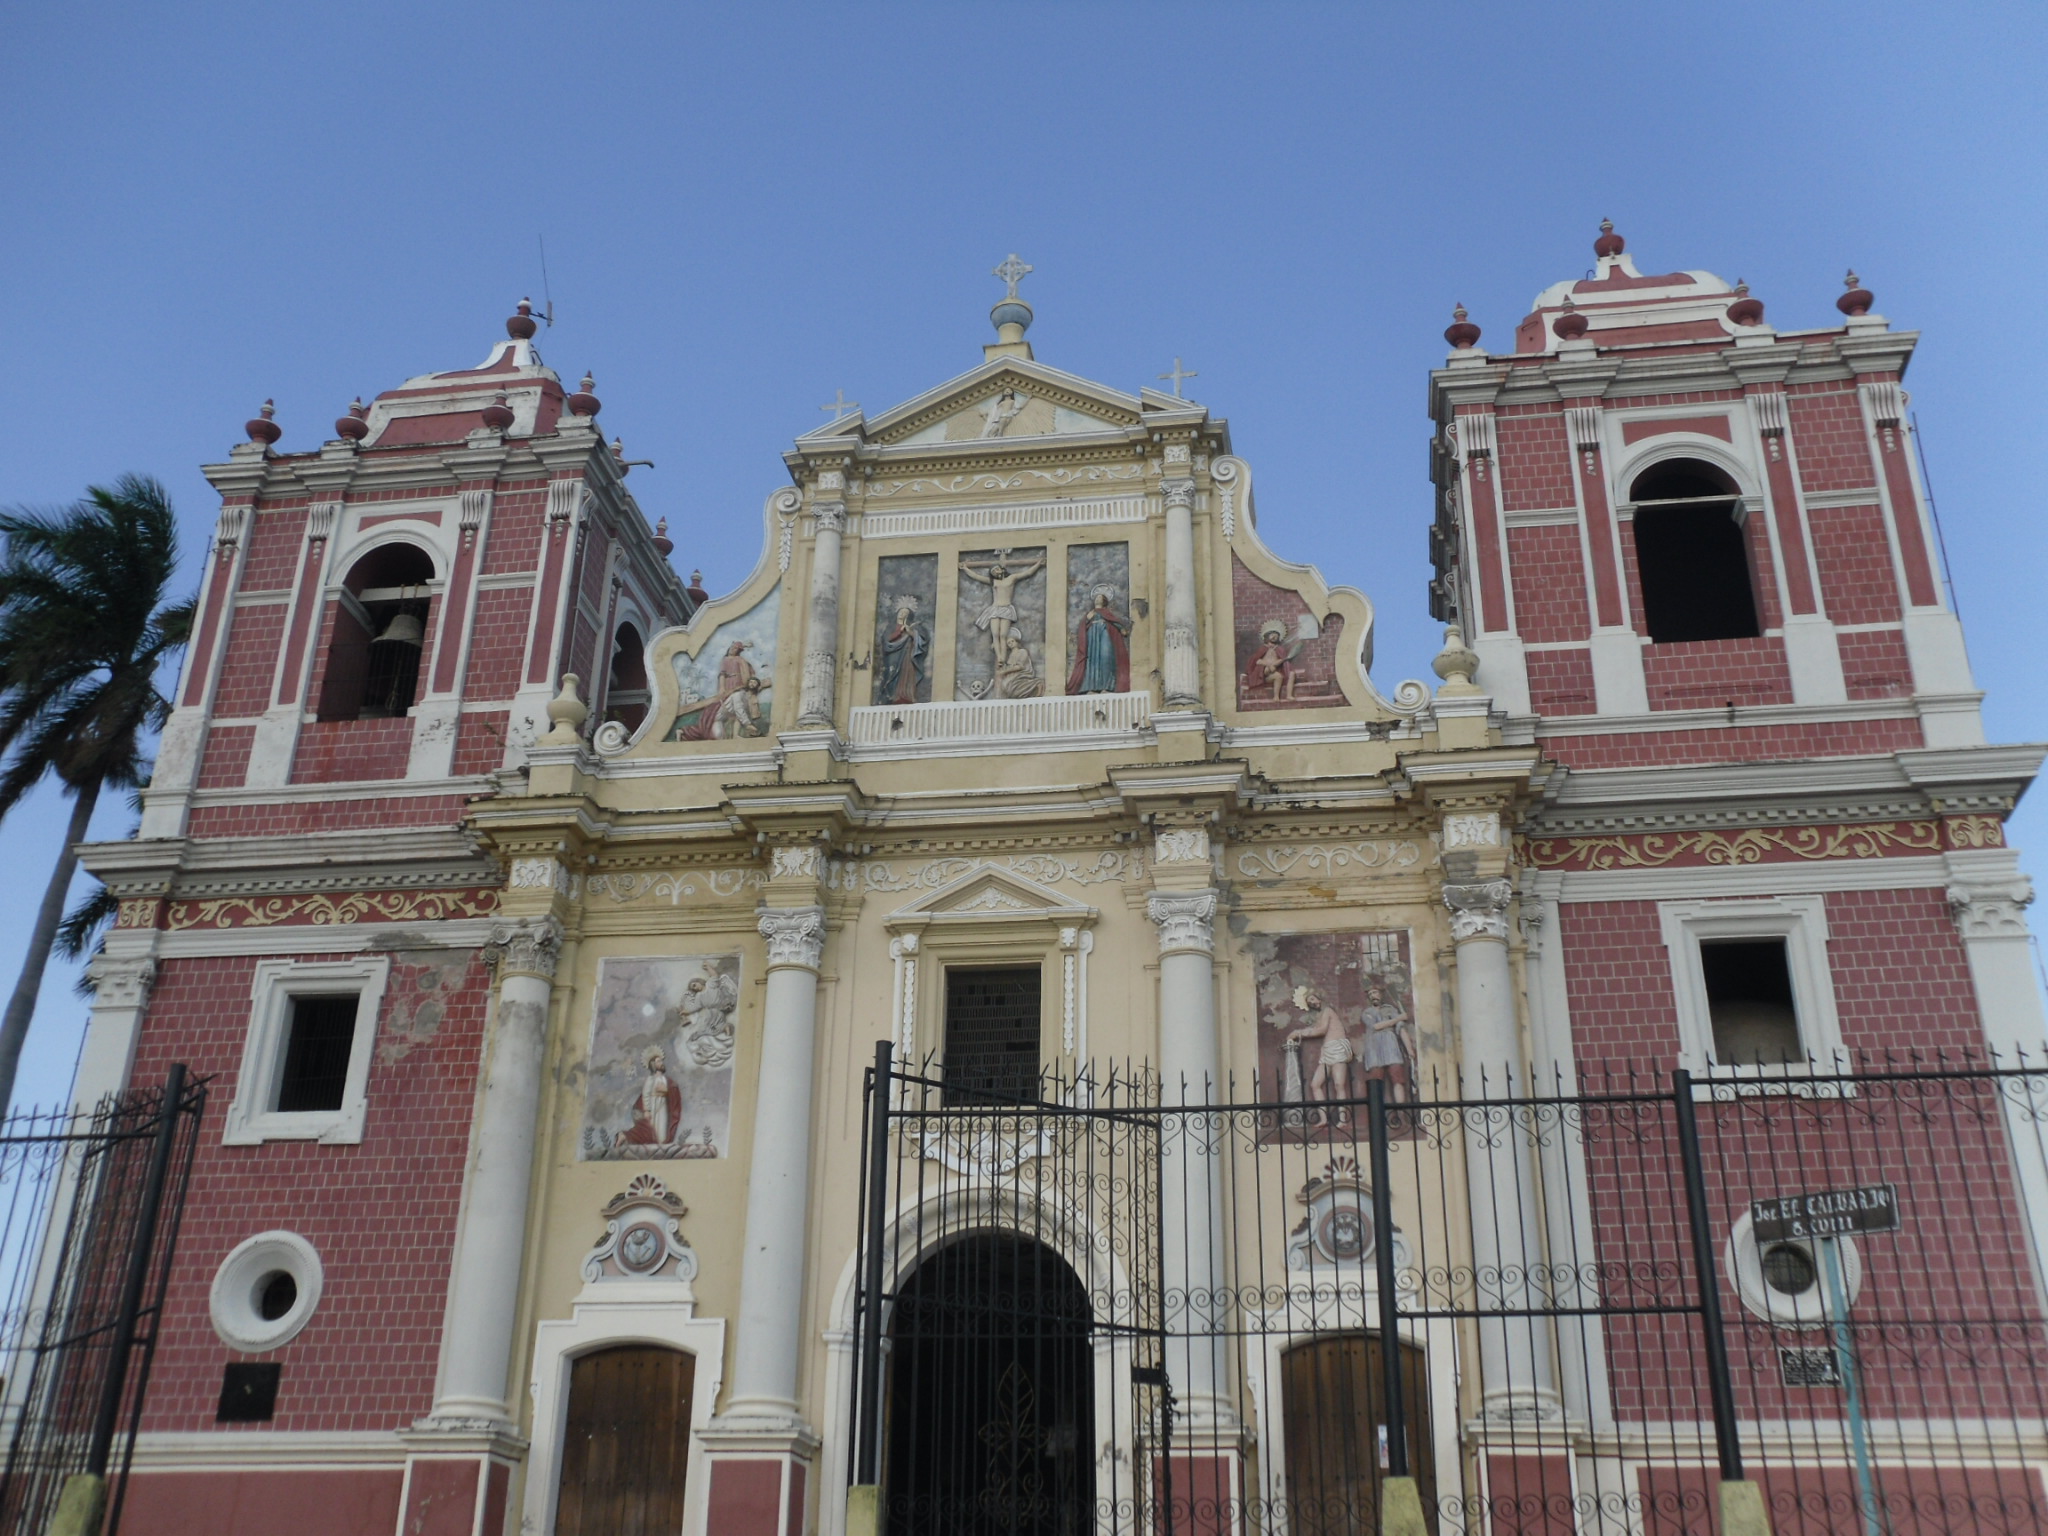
[321, 1033]
[626, 696]
[1788, 1269]
[380, 629]
[992, 1035]
[1691, 555]
[277, 1295]
[1749, 998]
[248, 1392]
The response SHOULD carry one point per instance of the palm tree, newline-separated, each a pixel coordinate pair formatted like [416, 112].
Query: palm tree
[83, 633]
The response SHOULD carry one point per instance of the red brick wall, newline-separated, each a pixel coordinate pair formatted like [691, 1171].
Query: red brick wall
[381, 1214]
[497, 642]
[1535, 463]
[480, 741]
[225, 760]
[275, 535]
[1700, 674]
[1875, 664]
[1561, 682]
[1733, 744]
[1857, 582]
[1548, 570]
[250, 664]
[517, 512]
[348, 751]
[324, 816]
[1827, 434]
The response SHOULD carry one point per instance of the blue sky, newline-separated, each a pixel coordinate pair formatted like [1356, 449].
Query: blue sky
[747, 208]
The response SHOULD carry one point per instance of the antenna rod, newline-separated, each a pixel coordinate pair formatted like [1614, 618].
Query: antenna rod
[544, 293]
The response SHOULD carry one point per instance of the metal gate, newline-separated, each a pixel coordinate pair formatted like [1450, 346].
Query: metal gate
[1098, 1312]
[90, 1204]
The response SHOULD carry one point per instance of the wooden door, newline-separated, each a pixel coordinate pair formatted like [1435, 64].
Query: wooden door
[1333, 1407]
[627, 1443]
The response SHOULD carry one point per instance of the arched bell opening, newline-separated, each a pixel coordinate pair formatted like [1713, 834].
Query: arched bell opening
[379, 635]
[626, 695]
[1691, 554]
[990, 1403]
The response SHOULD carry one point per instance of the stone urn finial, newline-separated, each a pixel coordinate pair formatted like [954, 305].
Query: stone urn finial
[1455, 663]
[568, 712]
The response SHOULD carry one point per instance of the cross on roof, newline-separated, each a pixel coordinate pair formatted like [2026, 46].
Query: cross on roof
[1177, 375]
[1012, 271]
[839, 405]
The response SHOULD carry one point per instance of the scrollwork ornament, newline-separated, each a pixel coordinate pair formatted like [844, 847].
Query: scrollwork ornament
[796, 937]
[1181, 845]
[1187, 920]
[1480, 910]
[529, 948]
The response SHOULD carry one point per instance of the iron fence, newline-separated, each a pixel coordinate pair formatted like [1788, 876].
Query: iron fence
[1098, 1311]
[90, 1203]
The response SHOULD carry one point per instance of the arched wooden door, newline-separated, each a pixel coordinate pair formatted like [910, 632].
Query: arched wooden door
[627, 1443]
[1333, 1404]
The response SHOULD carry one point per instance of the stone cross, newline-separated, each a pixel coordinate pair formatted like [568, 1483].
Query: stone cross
[1177, 375]
[839, 405]
[1012, 271]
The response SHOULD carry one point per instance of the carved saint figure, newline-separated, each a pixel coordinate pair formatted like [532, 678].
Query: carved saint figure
[1102, 649]
[707, 1005]
[1332, 1079]
[659, 1108]
[1271, 667]
[1001, 613]
[997, 415]
[739, 713]
[1016, 674]
[700, 719]
[1386, 1049]
[903, 663]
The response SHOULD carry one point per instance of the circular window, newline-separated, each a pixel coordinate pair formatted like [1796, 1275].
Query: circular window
[1782, 1281]
[265, 1291]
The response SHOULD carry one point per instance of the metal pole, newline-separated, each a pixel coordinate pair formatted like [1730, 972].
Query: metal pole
[870, 1454]
[107, 1420]
[1845, 1363]
[1726, 1441]
[1390, 1301]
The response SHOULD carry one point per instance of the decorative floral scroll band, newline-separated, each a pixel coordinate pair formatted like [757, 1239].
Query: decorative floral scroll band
[1754, 845]
[362, 907]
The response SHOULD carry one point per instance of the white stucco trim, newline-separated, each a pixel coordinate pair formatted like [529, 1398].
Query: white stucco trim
[1802, 922]
[253, 1118]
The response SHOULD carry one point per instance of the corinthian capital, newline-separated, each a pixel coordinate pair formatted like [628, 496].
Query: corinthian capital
[831, 516]
[121, 983]
[1187, 920]
[1479, 911]
[1178, 493]
[528, 948]
[796, 937]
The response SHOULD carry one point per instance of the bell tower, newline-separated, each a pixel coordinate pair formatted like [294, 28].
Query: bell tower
[1659, 516]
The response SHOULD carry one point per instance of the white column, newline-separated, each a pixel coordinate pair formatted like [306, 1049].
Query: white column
[120, 992]
[821, 640]
[778, 1177]
[490, 1250]
[1191, 1148]
[1517, 1378]
[1183, 648]
[1989, 897]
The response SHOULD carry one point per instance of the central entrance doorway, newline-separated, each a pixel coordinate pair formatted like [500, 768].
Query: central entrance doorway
[990, 1426]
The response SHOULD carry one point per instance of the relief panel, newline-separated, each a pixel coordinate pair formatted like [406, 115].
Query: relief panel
[1099, 618]
[1286, 656]
[726, 689]
[1001, 626]
[659, 1079]
[906, 599]
[1335, 1011]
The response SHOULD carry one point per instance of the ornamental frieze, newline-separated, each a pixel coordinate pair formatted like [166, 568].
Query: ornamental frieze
[1278, 861]
[315, 908]
[1757, 845]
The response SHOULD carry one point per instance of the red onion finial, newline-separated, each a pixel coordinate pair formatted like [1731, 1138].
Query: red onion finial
[583, 402]
[1858, 299]
[1570, 325]
[355, 426]
[1609, 243]
[522, 325]
[498, 414]
[263, 428]
[1462, 334]
[1745, 310]
[662, 541]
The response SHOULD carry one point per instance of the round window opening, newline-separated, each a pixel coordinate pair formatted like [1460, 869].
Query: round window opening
[280, 1292]
[265, 1291]
[1788, 1269]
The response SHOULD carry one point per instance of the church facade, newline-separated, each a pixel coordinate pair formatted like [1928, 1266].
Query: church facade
[536, 914]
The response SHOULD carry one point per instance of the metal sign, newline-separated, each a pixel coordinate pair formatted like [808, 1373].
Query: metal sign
[1826, 1213]
[1809, 1368]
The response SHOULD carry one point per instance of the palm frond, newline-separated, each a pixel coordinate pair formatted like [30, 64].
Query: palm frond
[82, 924]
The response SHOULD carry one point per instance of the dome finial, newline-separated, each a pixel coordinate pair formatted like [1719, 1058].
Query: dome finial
[1462, 334]
[1858, 299]
[521, 327]
[1609, 243]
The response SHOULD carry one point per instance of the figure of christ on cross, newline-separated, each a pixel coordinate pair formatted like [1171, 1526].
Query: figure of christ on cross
[1001, 614]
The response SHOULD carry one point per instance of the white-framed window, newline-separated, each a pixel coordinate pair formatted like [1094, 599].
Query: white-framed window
[1755, 995]
[306, 1062]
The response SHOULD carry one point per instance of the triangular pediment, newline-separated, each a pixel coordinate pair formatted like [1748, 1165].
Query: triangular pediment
[1004, 399]
[988, 892]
